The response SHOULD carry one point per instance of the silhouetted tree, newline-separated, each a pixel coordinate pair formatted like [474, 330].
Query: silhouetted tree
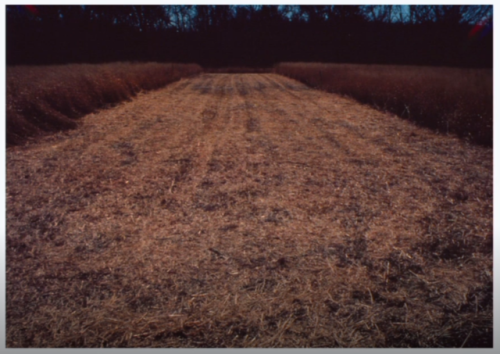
[261, 35]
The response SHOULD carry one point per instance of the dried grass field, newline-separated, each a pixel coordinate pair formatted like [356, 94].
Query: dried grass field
[51, 98]
[248, 210]
[450, 100]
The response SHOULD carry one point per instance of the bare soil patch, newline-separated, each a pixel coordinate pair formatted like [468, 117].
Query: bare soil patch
[247, 210]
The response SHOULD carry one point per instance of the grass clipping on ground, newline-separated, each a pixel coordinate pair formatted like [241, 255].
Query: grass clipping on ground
[249, 211]
[49, 98]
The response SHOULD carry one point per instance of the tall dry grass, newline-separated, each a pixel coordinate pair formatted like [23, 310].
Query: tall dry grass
[48, 98]
[450, 100]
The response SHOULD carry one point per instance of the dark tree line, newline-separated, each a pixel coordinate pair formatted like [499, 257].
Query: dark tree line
[226, 35]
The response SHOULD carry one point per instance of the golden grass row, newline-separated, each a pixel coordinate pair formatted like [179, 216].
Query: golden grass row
[451, 100]
[49, 98]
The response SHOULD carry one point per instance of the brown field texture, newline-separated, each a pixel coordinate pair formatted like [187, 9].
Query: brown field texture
[237, 70]
[449, 100]
[248, 210]
[44, 99]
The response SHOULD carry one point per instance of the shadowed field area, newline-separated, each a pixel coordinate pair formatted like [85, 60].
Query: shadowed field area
[247, 210]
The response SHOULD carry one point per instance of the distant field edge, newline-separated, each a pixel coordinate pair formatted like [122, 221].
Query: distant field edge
[45, 99]
[238, 70]
[449, 100]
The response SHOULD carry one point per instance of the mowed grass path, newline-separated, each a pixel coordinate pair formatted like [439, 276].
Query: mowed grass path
[247, 210]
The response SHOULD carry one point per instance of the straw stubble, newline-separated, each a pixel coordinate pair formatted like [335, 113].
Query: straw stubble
[287, 217]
